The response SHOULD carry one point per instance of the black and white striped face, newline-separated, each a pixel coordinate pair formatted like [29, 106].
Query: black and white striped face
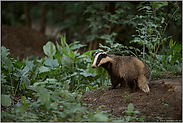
[100, 58]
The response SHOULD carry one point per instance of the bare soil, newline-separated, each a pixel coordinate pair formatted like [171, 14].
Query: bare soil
[22, 41]
[164, 101]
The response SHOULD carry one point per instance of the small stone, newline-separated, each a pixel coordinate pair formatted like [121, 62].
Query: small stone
[170, 90]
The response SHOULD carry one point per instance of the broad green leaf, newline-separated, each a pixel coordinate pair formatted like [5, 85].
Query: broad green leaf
[44, 95]
[6, 61]
[171, 44]
[49, 49]
[5, 100]
[76, 46]
[4, 51]
[86, 74]
[23, 99]
[44, 69]
[177, 48]
[100, 117]
[35, 105]
[24, 107]
[51, 63]
[89, 87]
[71, 54]
[89, 52]
[67, 61]
[174, 58]
[130, 107]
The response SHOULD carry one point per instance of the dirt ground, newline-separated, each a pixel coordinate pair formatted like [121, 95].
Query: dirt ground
[22, 41]
[164, 101]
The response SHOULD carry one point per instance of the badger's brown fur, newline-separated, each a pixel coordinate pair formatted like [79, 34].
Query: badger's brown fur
[124, 70]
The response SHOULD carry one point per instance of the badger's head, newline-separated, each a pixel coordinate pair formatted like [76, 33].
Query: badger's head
[100, 58]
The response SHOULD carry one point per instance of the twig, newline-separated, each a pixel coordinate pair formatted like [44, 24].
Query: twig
[162, 36]
[132, 53]
[144, 46]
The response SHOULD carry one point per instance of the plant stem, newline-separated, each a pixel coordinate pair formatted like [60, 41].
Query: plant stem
[144, 46]
[11, 84]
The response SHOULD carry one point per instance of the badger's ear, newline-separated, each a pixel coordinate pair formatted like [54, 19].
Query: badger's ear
[105, 54]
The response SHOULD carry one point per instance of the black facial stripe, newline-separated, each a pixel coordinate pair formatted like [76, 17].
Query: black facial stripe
[100, 57]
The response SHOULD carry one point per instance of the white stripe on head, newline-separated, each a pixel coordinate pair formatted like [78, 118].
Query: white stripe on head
[102, 61]
[95, 60]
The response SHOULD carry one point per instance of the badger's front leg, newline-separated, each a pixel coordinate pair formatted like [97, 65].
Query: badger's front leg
[114, 82]
[122, 83]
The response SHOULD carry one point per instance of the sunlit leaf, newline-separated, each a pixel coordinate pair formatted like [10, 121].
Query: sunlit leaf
[44, 95]
[49, 49]
[51, 63]
[5, 100]
[44, 69]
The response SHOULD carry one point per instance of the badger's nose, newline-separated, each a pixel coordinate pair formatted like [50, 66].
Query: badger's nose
[93, 66]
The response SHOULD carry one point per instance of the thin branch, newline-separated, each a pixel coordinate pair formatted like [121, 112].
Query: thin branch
[132, 53]
[144, 46]
[163, 34]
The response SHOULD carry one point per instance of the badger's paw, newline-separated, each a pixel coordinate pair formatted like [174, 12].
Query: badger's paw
[145, 88]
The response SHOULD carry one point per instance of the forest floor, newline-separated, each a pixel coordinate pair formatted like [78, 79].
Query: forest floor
[162, 103]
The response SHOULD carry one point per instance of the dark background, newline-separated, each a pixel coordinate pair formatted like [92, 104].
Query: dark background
[27, 26]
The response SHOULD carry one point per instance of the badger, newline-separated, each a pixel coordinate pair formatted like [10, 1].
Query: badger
[126, 70]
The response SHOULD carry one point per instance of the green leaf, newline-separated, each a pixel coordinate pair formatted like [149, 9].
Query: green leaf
[67, 61]
[63, 40]
[100, 117]
[6, 61]
[49, 49]
[5, 100]
[44, 69]
[141, 118]
[174, 58]
[51, 63]
[86, 74]
[59, 48]
[76, 46]
[177, 48]
[66, 84]
[44, 95]
[130, 107]
[171, 44]
[23, 99]
[97, 111]
[24, 107]
[17, 107]
[71, 54]
[4, 51]
[90, 87]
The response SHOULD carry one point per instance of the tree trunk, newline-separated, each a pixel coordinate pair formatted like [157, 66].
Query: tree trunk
[27, 14]
[43, 21]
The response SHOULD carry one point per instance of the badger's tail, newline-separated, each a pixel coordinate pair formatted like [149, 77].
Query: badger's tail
[143, 83]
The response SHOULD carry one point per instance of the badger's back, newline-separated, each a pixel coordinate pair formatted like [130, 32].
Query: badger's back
[128, 66]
